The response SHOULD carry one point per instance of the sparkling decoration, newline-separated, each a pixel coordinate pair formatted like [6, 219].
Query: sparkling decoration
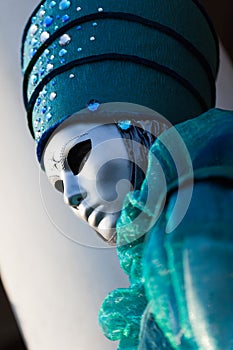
[32, 52]
[79, 49]
[65, 18]
[124, 124]
[79, 8]
[72, 76]
[48, 21]
[44, 110]
[100, 9]
[79, 27]
[37, 134]
[34, 41]
[52, 57]
[93, 105]
[34, 79]
[64, 4]
[52, 4]
[33, 29]
[65, 39]
[49, 67]
[52, 96]
[46, 52]
[44, 36]
[42, 13]
[48, 117]
[38, 102]
[62, 52]
[94, 24]
[41, 71]
[92, 38]
[37, 122]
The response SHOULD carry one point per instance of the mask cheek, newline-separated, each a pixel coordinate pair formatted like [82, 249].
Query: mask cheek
[113, 180]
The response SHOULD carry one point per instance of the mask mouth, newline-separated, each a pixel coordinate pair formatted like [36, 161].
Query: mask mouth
[98, 218]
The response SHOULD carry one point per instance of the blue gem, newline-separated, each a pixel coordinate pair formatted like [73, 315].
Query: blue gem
[79, 49]
[48, 21]
[64, 5]
[63, 60]
[41, 71]
[93, 105]
[38, 102]
[65, 18]
[34, 79]
[48, 117]
[79, 27]
[32, 52]
[44, 109]
[124, 124]
[58, 17]
[52, 4]
[63, 52]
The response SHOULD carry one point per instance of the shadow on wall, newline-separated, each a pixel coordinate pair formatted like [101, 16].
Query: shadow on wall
[222, 16]
[10, 338]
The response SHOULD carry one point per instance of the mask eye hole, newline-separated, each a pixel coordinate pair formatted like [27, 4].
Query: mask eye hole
[78, 155]
[59, 186]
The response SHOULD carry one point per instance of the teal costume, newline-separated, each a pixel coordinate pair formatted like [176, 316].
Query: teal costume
[162, 54]
[159, 291]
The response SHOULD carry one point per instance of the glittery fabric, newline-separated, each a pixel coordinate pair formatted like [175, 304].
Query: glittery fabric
[153, 313]
[74, 52]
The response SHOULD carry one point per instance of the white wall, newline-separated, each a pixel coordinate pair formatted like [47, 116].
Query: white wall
[55, 285]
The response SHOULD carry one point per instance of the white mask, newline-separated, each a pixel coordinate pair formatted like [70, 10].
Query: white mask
[89, 163]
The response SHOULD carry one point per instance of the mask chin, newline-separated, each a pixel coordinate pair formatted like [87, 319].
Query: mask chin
[109, 239]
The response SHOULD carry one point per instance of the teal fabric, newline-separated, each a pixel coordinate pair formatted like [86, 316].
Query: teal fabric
[156, 262]
[55, 87]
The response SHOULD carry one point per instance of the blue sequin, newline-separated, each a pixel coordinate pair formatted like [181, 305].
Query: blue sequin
[52, 4]
[64, 4]
[32, 52]
[62, 52]
[65, 18]
[48, 117]
[48, 21]
[44, 109]
[124, 124]
[34, 79]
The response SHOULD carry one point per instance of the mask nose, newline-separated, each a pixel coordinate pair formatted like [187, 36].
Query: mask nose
[73, 195]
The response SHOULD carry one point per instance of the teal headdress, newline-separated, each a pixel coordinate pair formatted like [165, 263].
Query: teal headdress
[162, 54]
